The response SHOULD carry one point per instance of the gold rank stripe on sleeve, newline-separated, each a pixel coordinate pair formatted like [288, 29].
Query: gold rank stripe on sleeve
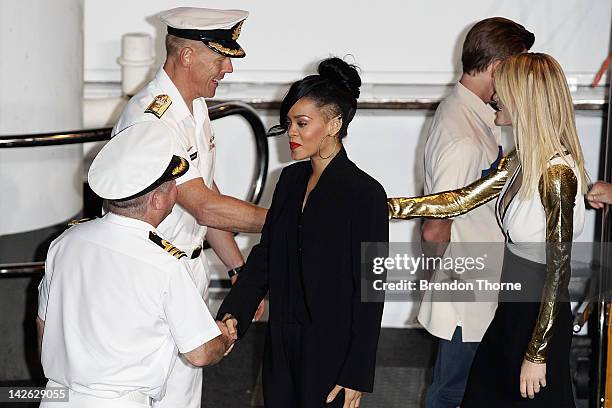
[159, 106]
[81, 221]
[167, 246]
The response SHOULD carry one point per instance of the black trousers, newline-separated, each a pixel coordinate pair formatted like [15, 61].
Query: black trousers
[294, 376]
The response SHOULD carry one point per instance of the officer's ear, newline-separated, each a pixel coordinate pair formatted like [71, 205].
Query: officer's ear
[163, 197]
[156, 201]
[187, 56]
[159, 199]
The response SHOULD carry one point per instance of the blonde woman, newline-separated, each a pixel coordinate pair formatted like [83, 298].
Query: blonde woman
[523, 359]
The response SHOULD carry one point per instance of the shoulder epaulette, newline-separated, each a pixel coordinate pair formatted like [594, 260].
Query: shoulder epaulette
[159, 106]
[81, 221]
[167, 246]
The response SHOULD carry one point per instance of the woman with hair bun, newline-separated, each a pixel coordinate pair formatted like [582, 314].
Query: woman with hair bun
[321, 338]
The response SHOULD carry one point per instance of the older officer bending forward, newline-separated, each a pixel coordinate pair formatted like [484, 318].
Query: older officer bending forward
[117, 299]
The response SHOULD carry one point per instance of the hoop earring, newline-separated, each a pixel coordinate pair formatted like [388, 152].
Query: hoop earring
[319, 149]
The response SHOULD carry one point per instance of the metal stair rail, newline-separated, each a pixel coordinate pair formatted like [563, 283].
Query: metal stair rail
[215, 112]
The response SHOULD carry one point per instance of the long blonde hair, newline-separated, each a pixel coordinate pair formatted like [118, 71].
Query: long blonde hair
[533, 88]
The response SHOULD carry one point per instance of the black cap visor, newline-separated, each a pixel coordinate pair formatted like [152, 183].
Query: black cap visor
[177, 167]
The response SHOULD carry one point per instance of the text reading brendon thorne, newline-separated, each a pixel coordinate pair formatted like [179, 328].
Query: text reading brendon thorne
[453, 266]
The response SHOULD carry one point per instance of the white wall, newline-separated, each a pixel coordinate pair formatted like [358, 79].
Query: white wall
[394, 41]
[41, 81]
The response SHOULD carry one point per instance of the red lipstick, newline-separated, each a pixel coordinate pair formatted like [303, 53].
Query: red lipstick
[293, 145]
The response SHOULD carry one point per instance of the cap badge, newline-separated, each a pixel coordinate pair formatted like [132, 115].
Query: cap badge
[159, 106]
[236, 30]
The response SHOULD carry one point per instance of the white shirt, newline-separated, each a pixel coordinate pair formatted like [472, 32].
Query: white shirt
[463, 144]
[195, 138]
[524, 220]
[114, 304]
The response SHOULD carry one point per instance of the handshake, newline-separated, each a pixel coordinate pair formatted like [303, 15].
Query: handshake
[229, 333]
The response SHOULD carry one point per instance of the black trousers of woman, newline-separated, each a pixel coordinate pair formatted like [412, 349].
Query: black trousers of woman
[292, 378]
[494, 379]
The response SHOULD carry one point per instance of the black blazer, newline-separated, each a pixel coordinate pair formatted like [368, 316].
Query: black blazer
[310, 263]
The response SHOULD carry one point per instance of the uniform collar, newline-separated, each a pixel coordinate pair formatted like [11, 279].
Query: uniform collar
[472, 101]
[128, 222]
[180, 109]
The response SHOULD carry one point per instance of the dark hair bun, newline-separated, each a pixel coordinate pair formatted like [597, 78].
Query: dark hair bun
[342, 74]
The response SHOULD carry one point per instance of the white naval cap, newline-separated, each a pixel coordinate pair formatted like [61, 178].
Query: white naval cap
[218, 29]
[134, 162]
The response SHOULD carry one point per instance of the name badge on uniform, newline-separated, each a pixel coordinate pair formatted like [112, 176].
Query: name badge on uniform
[193, 156]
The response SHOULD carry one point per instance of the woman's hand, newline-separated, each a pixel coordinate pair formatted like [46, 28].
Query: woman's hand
[352, 398]
[532, 377]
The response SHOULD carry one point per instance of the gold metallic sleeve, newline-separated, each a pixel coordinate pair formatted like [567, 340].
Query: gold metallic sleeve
[455, 202]
[558, 205]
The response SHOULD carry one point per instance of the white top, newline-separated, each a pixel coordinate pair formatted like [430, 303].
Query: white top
[114, 307]
[463, 144]
[195, 135]
[524, 220]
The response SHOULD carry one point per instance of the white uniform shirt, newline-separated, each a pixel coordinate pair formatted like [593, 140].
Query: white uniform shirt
[463, 144]
[114, 305]
[195, 138]
[524, 220]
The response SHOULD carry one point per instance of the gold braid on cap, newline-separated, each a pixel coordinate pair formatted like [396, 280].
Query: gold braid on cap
[455, 202]
[180, 167]
[558, 199]
[224, 50]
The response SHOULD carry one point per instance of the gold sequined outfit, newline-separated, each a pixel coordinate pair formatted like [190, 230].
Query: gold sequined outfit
[452, 203]
[539, 330]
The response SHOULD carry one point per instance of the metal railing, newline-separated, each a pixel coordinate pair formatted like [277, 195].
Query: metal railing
[215, 112]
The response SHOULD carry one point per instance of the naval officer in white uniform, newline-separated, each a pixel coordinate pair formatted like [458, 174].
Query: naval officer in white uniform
[200, 44]
[118, 300]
